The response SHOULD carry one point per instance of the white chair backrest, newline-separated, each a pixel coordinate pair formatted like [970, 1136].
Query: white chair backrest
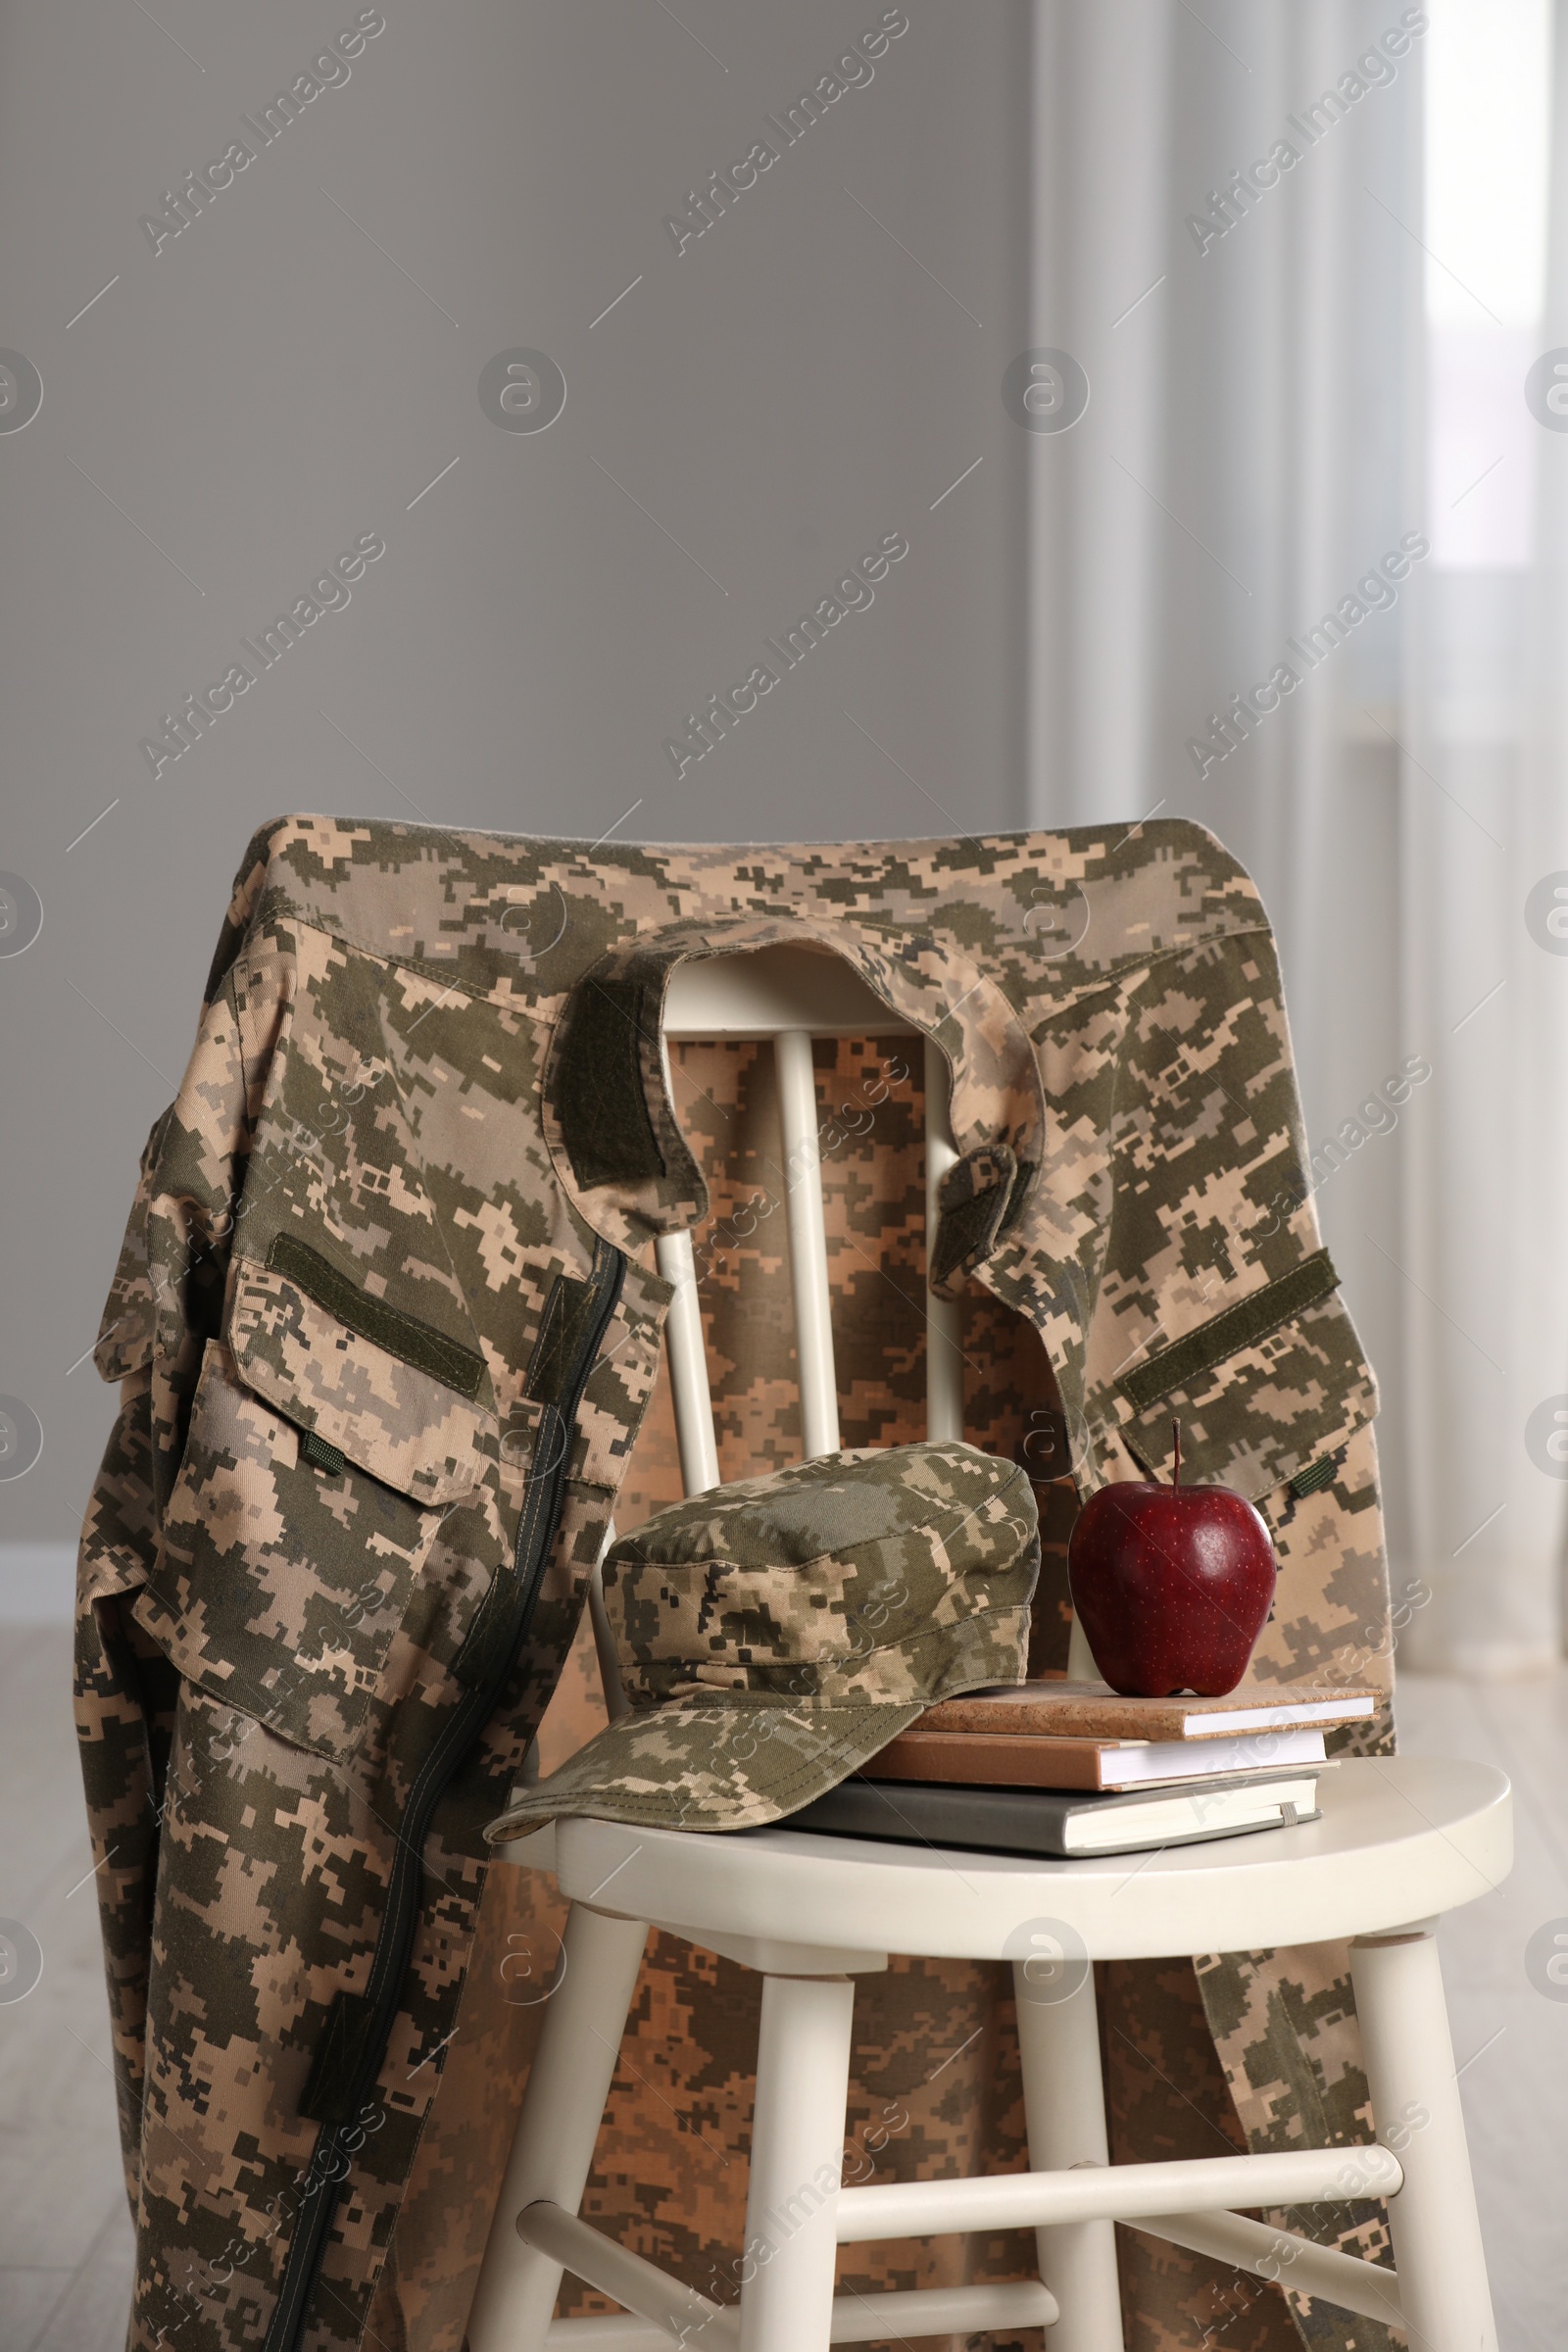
[789, 996]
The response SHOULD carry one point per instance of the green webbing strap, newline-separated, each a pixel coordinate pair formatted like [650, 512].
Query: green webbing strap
[1251, 1319]
[403, 1335]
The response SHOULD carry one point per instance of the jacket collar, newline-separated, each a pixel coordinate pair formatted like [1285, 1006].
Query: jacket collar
[611, 1125]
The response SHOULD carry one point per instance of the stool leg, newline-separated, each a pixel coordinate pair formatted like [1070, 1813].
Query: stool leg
[1064, 2107]
[803, 2084]
[1415, 2105]
[562, 2106]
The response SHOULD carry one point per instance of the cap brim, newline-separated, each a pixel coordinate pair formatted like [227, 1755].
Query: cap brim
[732, 1761]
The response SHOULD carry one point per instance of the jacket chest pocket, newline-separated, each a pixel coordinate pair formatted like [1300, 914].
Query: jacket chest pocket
[319, 1467]
[1264, 1393]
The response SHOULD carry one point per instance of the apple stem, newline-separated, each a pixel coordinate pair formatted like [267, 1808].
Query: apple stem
[1176, 1469]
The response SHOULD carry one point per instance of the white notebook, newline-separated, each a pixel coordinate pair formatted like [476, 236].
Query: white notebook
[1039, 1821]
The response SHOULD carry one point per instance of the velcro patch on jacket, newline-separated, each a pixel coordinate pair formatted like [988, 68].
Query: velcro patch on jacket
[400, 1334]
[403, 1424]
[1266, 1414]
[601, 1097]
[973, 1201]
[1240, 1326]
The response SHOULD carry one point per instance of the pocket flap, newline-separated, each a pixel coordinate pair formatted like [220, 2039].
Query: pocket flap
[358, 1393]
[282, 1576]
[1261, 1413]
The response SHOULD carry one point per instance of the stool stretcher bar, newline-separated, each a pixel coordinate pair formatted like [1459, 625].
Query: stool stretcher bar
[683, 2314]
[608, 2331]
[1299, 2263]
[1121, 2193]
[663, 2310]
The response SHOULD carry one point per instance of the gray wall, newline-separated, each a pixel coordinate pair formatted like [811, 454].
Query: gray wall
[290, 371]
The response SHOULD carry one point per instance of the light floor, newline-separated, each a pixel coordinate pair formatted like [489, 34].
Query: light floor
[65, 2236]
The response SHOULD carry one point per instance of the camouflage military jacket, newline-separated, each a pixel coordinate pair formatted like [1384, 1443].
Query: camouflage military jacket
[386, 1323]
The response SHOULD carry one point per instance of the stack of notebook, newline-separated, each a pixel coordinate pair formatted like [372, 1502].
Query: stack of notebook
[1072, 1768]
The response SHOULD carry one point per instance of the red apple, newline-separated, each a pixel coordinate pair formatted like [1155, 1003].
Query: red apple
[1172, 1584]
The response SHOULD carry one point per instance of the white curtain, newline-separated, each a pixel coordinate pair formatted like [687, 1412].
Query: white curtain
[1251, 458]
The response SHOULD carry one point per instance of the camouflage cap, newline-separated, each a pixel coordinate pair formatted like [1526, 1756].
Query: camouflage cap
[774, 1634]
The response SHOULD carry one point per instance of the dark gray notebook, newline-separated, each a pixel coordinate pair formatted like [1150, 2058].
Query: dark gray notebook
[1064, 1827]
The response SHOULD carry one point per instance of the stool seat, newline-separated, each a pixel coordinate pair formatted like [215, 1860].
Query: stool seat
[1399, 1838]
[1399, 1841]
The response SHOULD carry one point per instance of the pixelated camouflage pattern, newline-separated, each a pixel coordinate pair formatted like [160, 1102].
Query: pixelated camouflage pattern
[822, 1567]
[772, 1635]
[426, 2284]
[1167, 2101]
[1340, 1628]
[1284, 2022]
[1278, 2023]
[1227, 1413]
[370, 1078]
[403, 1425]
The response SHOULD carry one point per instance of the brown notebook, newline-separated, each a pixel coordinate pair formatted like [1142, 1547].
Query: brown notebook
[1000, 1760]
[1094, 1711]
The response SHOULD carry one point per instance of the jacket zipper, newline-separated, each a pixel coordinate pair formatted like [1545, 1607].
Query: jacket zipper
[536, 1533]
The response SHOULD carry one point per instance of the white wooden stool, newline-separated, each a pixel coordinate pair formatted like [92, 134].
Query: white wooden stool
[1400, 1841]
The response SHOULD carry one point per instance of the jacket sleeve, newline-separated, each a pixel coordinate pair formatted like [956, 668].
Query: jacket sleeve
[124, 1697]
[164, 1299]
